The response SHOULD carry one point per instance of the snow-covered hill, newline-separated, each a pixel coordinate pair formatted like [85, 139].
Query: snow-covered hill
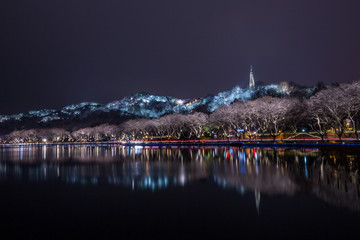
[140, 105]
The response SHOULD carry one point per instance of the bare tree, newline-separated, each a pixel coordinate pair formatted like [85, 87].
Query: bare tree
[220, 120]
[314, 118]
[270, 113]
[352, 105]
[295, 115]
[196, 123]
[329, 105]
[250, 118]
[38, 135]
[133, 129]
[174, 125]
[158, 127]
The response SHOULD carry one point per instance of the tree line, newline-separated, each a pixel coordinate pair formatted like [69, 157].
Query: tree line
[336, 108]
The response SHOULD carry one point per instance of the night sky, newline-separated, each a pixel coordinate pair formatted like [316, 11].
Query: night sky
[58, 52]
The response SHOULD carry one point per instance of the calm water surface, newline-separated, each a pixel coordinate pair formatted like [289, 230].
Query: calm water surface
[179, 192]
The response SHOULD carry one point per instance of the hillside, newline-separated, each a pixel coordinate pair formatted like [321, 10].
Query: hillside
[142, 105]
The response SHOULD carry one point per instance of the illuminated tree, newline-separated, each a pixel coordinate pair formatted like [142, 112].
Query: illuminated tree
[315, 119]
[352, 105]
[219, 120]
[295, 115]
[196, 123]
[174, 125]
[131, 129]
[270, 113]
[329, 105]
[38, 135]
[247, 118]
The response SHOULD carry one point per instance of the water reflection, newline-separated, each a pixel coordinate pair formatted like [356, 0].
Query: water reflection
[329, 174]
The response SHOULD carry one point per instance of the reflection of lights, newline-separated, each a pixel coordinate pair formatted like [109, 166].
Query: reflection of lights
[165, 181]
[44, 152]
[169, 171]
[182, 175]
[322, 170]
[138, 149]
[242, 190]
[160, 182]
[306, 170]
[182, 179]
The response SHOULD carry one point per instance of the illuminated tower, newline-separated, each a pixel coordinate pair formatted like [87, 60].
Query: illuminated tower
[251, 80]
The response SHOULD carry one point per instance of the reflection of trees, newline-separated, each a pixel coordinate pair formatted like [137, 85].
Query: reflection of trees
[335, 178]
[331, 175]
[255, 171]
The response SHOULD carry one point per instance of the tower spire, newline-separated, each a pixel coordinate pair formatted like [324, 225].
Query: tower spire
[251, 80]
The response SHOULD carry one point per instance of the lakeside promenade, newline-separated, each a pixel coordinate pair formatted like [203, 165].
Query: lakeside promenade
[305, 142]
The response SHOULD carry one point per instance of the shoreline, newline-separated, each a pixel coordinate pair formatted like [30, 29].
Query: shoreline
[230, 142]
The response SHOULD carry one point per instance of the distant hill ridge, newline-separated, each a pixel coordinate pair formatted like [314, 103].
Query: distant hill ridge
[142, 105]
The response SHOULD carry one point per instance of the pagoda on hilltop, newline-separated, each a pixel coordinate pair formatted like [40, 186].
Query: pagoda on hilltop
[252, 79]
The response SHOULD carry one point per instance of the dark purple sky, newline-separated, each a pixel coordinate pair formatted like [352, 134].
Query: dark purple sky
[58, 52]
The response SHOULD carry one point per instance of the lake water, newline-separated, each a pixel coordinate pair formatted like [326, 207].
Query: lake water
[116, 191]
